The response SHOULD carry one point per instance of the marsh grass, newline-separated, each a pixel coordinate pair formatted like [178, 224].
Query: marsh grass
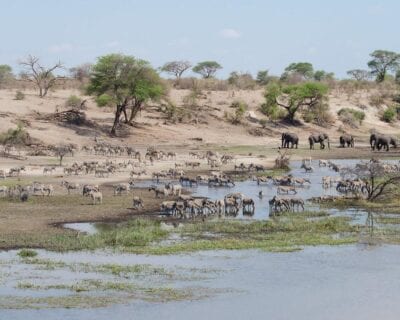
[27, 253]
[145, 236]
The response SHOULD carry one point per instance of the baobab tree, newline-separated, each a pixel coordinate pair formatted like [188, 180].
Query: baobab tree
[41, 76]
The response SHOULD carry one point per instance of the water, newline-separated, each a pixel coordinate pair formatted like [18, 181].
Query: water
[347, 282]
[250, 189]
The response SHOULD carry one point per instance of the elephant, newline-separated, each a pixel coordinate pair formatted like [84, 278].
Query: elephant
[346, 139]
[378, 141]
[318, 138]
[289, 137]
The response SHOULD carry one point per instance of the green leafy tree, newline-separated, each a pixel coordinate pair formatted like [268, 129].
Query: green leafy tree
[295, 97]
[176, 68]
[262, 77]
[382, 62]
[207, 69]
[304, 69]
[130, 83]
[5, 74]
[321, 75]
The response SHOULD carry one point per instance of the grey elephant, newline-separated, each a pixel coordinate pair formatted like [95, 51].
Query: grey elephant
[289, 137]
[380, 141]
[319, 138]
[346, 139]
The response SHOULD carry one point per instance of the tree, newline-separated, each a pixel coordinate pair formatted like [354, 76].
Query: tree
[321, 75]
[303, 69]
[359, 74]
[41, 76]
[81, 72]
[377, 177]
[130, 82]
[207, 69]
[294, 97]
[262, 77]
[5, 74]
[176, 68]
[382, 62]
[60, 152]
[241, 80]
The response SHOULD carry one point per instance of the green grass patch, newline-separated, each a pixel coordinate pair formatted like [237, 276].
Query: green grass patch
[27, 253]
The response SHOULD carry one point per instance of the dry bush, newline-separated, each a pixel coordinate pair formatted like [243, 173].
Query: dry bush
[282, 161]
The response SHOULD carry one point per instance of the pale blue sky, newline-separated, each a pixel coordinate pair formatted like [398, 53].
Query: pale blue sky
[243, 35]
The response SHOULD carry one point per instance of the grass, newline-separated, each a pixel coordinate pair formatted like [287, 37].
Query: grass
[27, 253]
[144, 236]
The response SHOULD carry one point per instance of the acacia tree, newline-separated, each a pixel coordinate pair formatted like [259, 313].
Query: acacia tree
[359, 74]
[41, 76]
[376, 176]
[295, 97]
[207, 69]
[176, 68]
[5, 74]
[303, 69]
[382, 62]
[129, 82]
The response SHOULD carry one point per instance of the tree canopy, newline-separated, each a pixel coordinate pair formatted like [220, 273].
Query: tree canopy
[303, 69]
[294, 97]
[359, 74]
[382, 62]
[207, 69]
[176, 68]
[129, 82]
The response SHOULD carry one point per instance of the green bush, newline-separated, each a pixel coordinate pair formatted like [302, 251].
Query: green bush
[19, 95]
[351, 114]
[104, 100]
[389, 115]
[73, 102]
[27, 253]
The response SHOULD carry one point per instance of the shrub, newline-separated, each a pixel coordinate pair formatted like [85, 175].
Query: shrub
[376, 100]
[319, 114]
[27, 253]
[19, 95]
[396, 98]
[263, 123]
[351, 116]
[389, 115]
[17, 136]
[73, 102]
[104, 100]
[240, 109]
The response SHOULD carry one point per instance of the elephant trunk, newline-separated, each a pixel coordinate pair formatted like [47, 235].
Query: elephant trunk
[329, 145]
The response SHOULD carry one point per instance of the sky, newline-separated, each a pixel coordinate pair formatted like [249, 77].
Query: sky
[242, 35]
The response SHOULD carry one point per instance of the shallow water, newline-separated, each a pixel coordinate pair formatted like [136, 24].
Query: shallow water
[250, 189]
[347, 282]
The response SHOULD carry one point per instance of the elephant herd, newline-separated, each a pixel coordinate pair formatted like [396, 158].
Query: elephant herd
[377, 141]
